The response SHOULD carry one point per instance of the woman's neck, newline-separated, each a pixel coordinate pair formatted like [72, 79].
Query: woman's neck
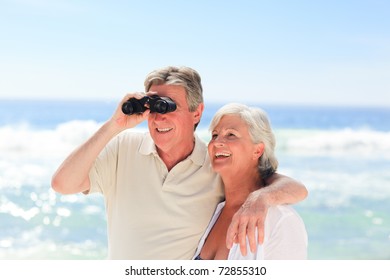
[238, 188]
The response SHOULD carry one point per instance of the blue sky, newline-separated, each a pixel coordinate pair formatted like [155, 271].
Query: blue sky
[330, 52]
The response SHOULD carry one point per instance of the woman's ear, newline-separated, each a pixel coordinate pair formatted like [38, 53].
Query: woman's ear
[259, 150]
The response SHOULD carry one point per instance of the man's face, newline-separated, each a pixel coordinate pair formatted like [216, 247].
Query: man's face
[173, 132]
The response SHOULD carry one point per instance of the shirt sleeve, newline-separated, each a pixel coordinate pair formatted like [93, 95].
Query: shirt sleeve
[102, 174]
[285, 236]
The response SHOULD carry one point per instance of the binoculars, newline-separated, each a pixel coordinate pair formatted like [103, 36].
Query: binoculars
[154, 103]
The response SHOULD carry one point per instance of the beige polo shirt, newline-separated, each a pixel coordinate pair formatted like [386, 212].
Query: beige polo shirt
[153, 213]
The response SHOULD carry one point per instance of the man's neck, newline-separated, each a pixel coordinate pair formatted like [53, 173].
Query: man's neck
[175, 156]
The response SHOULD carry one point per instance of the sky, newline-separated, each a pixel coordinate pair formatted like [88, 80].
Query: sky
[325, 52]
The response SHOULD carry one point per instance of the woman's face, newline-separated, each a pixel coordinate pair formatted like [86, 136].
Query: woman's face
[231, 148]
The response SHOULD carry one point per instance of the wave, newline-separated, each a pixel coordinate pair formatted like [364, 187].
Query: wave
[25, 140]
[29, 156]
[343, 142]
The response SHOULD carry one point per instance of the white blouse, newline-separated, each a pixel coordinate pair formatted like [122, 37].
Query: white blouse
[285, 236]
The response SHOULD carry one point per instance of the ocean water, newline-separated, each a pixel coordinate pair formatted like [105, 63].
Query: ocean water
[341, 154]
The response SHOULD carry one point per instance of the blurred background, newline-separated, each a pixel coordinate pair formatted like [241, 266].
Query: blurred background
[320, 70]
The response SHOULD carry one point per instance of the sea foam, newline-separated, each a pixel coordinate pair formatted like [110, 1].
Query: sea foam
[343, 142]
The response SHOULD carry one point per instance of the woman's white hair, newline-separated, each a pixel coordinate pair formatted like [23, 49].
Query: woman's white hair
[259, 129]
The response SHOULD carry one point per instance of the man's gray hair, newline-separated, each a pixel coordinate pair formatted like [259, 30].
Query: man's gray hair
[179, 76]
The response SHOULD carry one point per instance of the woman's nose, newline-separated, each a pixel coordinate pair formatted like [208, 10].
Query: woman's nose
[219, 141]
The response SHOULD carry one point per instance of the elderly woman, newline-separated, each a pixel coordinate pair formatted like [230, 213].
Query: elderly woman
[242, 152]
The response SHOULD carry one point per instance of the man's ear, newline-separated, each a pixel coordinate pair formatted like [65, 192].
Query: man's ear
[259, 150]
[198, 113]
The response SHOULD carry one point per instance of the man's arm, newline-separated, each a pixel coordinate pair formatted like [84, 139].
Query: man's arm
[73, 174]
[280, 190]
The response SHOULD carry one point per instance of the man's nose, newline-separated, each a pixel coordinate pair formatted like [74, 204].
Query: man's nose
[158, 116]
